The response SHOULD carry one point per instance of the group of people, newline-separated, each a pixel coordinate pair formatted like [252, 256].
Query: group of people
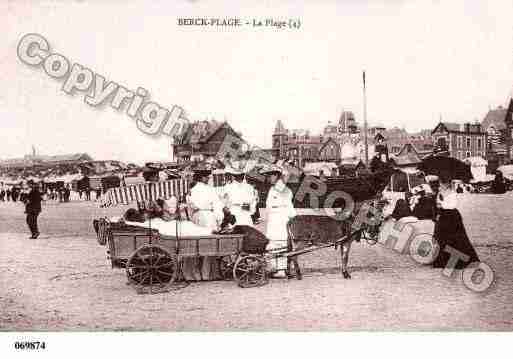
[437, 202]
[61, 194]
[85, 194]
[239, 199]
[11, 193]
[216, 209]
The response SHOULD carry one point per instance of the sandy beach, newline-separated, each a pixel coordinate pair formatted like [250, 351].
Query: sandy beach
[63, 282]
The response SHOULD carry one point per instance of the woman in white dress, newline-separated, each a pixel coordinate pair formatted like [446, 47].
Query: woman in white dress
[208, 213]
[240, 198]
[280, 209]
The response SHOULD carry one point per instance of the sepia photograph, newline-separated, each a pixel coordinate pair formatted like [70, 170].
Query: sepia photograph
[255, 169]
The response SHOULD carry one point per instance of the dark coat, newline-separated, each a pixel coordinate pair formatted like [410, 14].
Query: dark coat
[33, 202]
[425, 208]
[450, 231]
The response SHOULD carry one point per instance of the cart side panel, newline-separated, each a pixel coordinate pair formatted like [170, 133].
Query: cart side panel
[124, 240]
[214, 245]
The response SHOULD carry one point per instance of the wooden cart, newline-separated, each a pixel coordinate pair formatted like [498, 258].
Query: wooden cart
[152, 261]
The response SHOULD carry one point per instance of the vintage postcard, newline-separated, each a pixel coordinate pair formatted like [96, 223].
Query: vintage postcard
[217, 166]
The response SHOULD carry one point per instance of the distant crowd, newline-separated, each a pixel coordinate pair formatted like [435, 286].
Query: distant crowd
[59, 195]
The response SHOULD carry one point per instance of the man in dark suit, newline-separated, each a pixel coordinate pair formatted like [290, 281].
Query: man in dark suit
[32, 209]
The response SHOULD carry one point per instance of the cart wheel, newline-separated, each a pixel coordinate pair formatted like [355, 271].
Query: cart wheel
[151, 269]
[102, 231]
[250, 271]
[226, 264]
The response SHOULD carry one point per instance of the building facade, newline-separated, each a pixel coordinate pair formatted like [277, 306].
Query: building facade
[498, 125]
[343, 142]
[460, 141]
[205, 140]
[299, 146]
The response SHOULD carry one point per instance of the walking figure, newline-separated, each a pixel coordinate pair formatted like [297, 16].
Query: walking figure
[33, 209]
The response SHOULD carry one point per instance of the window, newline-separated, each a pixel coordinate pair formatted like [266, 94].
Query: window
[460, 142]
[479, 143]
[468, 142]
[468, 154]
[442, 142]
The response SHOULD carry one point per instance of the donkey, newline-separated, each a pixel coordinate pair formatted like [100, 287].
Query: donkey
[311, 230]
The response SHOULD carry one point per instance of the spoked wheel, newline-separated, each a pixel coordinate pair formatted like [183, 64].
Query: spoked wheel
[102, 231]
[151, 269]
[250, 271]
[226, 264]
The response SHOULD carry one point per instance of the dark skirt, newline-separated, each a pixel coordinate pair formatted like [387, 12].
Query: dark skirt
[450, 232]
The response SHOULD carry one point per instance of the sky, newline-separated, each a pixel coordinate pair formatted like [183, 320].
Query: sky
[423, 60]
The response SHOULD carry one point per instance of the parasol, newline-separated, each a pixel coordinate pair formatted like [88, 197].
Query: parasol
[447, 168]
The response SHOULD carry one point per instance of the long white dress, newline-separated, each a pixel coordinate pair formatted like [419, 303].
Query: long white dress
[209, 212]
[280, 209]
[237, 194]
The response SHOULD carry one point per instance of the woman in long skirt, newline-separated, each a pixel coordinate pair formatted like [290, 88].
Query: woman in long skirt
[451, 235]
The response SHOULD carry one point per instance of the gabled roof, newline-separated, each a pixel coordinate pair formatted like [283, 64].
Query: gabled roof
[201, 131]
[330, 140]
[495, 118]
[407, 148]
[448, 126]
[409, 158]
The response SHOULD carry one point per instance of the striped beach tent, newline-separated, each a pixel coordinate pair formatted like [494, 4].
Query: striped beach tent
[149, 191]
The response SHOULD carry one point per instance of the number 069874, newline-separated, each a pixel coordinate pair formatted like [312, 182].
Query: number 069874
[29, 345]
